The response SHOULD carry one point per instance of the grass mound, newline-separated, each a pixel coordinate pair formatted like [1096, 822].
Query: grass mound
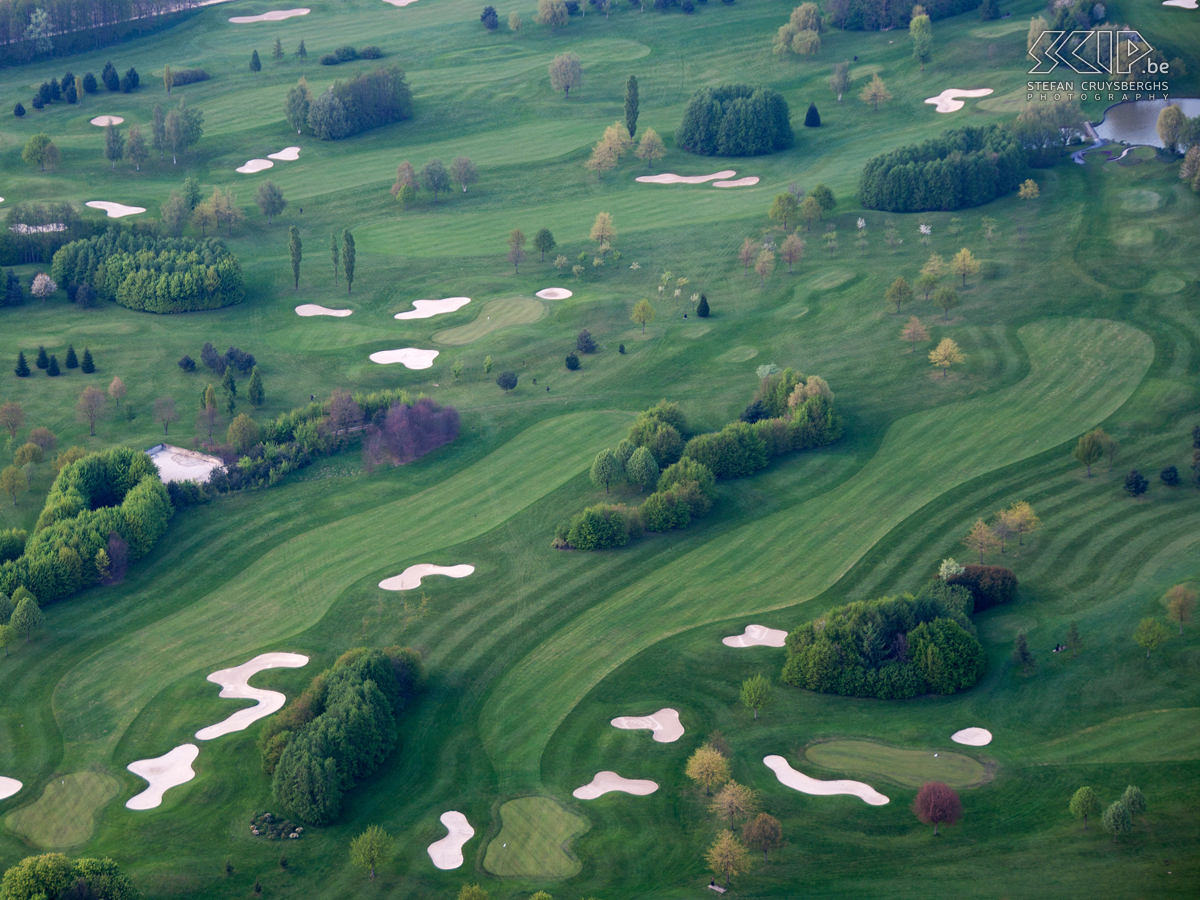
[64, 816]
[534, 840]
[909, 768]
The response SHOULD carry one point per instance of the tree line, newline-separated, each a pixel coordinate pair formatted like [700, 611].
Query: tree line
[368, 100]
[30, 29]
[53, 876]
[877, 15]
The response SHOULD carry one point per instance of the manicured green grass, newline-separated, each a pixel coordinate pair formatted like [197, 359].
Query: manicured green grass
[1085, 316]
[496, 314]
[63, 815]
[535, 840]
[910, 768]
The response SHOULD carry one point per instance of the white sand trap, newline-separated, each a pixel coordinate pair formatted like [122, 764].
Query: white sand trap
[255, 165]
[756, 636]
[425, 309]
[275, 15]
[553, 294]
[447, 853]
[115, 210]
[741, 182]
[179, 464]
[399, 2]
[947, 101]
[163, 773]
[411, 577]
[234, 686]
[1182, 4]
[611, 781]
[664, 724]
[105, 121]
[287, 154]
[410, 357]
[972, 737]
[8, 787]
[672, 178]
[315, 309]
[800, 782]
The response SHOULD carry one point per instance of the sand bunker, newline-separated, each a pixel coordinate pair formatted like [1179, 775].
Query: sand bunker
[104, 121]
[672, 178]
[756, 636]
[972, 737]
[399, 2]
[8, 787]
[553, 294]
[411, 577]
[255, 165]
[611, 781]
[801, 782]
[409, 357]
[275, 15]
[447, 853]
[664, 724]
[1182, 4]
[234, 686]
[163, 773]
[741, 182]
[115, 210]
[947, 101]
[314, 309]
[178, 464]
[287, 154]
[425, 309]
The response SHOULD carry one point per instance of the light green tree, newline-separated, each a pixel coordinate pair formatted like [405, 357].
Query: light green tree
[27, 618]
[114, 144]
[1084, 804]
[8, 634]
[643, 313]
[370, 849]
[642, 469]
[728, 856]
[784, 208]
[899, 293]
[487, 365]
[708, 767]
[1150, 635]
[472, 892]
[12, 482]
[756, 693]
[1089, 450]
[1134, 800]
[1117, 820]
[606, 469]
[921, 32]
[40, 151]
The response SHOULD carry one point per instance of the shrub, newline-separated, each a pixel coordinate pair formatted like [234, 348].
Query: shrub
[12, 545]
[584, 342]
[989, 585]
[345, 53]
[185, 76]
[507, 381]
[735, 120]
[370, 52]
[666, 511]
[702, 307]
[964, 167]
[240, 359]
[603, 527]
[187, 363]
[688, 470]
[1169, 475]
[572, 361]
[408, 432]
[812, 118]
[329, 59]
[733, 452]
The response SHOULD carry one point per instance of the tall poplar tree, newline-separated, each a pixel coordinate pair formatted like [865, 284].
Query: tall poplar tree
[631, 105]
[294, 252]
[348, 258]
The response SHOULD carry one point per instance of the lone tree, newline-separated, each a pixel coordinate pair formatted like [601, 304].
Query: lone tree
[91, 402]
[370, 849]
[812, 118]
[756, 693]
[643, 313]
[270, 200]
[165, 413]
[348, 258]
[12, 417]
[1150, 635]
[1117, 820]
[982, 539]
[1136, 483]
[507, 381]
[516, 249]
[784, 208]
[708, 767]
[631, 105]
[875, 92]
[603, 232]
[945, 355]
[606, 469]
[114, 144]
[839, 81]
[728, 856]
[965, 264]
[40, 151]
[1181, 602]
[566, 71]
[43, 286]
[1084, 804]
[1089, 450]
[117, 390]
[463, 171]
[544, 242]
[650, 147]
[490, 18]
[914, 332]
[764, 833]
[1021, 655]
[937, 804]
[920, 31]
[899, 293]
[295, 249]
[255, 62]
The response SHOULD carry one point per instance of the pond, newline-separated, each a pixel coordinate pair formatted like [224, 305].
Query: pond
[1134, 122]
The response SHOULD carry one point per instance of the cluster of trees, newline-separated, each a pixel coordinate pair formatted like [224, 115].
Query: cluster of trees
[101, 496]
[154, 274]
[221, 208]
[52, 876]
[30, 29]
[964, 167]
[436, 177]
[1118, 817]
[871, 15]
[21, 616]
[49, 363]
[1180, 602]
[735, 120]
[408, 431]
[890, 648]
[116, 147]
[1045, 129]
[368, 100]
[338, 731]
[342, 54]
[36, 230]
[1015, 522]
[616, 142]
[802, 34]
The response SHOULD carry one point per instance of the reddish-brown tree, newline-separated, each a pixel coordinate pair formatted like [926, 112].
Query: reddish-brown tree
[937, 804]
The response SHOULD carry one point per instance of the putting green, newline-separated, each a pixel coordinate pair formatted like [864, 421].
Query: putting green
[1166, 283]
[1081, 371]
[827, 281]
[534, 840]
[496, 314]
[1139, 200]
[909, 768]
[65, 814]
[737, 355]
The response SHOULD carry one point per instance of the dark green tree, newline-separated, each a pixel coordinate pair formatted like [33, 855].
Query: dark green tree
[1021, 654]
[824, 196]
[507, 381]
[278, 53]
[544, 241]
[255, 62]
[1136, 483]
[52, 367]
[631, 105]
[989, 9]
[254, 388]
[812, 118]
[348, 258]
[270, 200]
[42, 359]
[229, 386]
[1134, 800]
[702, 307]
[87, 365]
[72, 359]
[294, 251]
[22, 369]
[1117, 820]
[302, 51]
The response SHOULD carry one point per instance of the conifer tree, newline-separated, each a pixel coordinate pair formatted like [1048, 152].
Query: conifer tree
[278, 54]
[812, 118]
[87, 365]
[52, 367]
[1021, 654]
[22, 369]
[254, 390]
[294, 248]
[348, 258]
[255, 62]
[42, 359]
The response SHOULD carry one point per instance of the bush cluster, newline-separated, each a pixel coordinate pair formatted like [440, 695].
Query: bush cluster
[989, 585]
[338, 731]
[273, 828]
[368, 100]
[154, 274]
[892, 648]
[187, 76]
[218, 362]
[602, 527]
[736, 120]
[964, 167]
[869, 15]
[346, 53]
[116, 492]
